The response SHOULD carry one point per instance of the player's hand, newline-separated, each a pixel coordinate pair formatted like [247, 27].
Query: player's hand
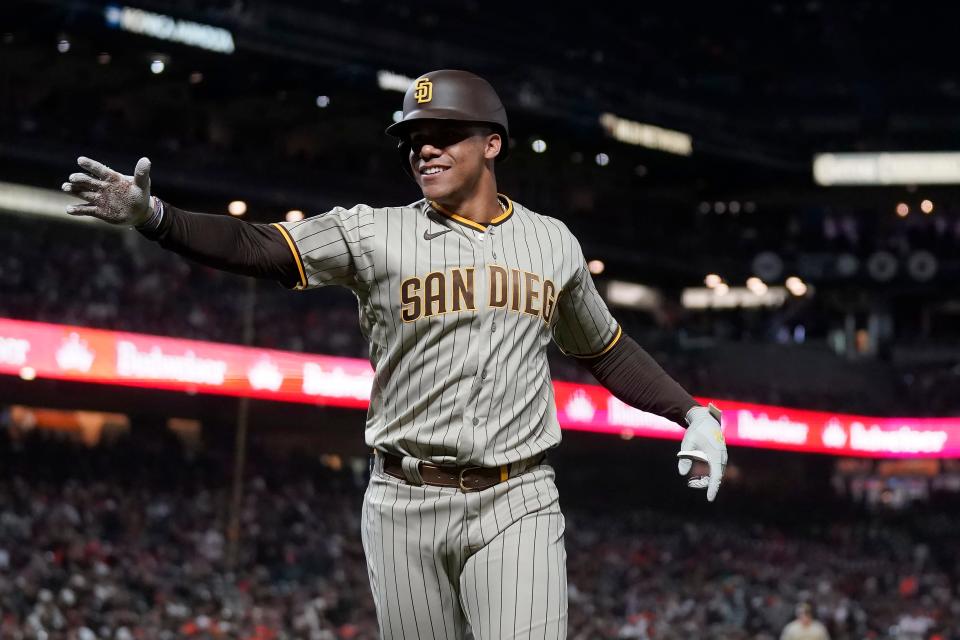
[703, 444]
[111, 196]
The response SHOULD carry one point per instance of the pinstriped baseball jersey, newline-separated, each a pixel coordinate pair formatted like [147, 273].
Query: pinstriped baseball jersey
[459, 316]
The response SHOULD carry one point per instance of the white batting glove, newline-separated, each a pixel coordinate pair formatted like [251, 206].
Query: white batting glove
[703, 443]
[111, 196]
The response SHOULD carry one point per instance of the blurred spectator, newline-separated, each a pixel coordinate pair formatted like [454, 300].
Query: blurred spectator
[804, 627]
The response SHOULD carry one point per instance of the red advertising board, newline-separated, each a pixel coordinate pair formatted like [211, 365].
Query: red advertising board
[592, 408]
[40, 350]
[63, 352]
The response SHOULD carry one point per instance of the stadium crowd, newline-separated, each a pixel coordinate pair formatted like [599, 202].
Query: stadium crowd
[125, 541]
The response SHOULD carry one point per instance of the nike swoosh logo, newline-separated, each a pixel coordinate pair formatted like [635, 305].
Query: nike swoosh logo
[430, 236]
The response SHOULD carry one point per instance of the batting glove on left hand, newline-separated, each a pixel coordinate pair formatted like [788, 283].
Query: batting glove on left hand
[110, 195]
[703, 442]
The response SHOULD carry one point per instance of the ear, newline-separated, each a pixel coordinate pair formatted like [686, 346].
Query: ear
[492, 147]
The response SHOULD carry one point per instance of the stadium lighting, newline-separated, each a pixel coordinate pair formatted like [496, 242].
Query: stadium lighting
[390, 81]
[756, 285]
[646, 135]
[323, 101]
[830, 169]
[726, 297]
[294, 215]
[796, 286]
[720, 207]
[712, 280]
[926, 206]
[63, 46]
[632, 295]
[397, 116]
[157, 66]
[237, 208]
[596, 267]
[25, 200]
[734, 207]
[902, 209]
[602, 159]
[28, 373]
[539, 146]
[164, 27]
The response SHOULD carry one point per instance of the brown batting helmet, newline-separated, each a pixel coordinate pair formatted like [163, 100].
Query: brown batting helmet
[449, 94]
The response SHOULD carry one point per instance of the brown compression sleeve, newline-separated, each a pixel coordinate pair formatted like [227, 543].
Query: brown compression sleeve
[223, 242]
[632, 375]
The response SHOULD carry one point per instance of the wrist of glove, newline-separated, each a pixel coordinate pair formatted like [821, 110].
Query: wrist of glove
[703, 445]
[152, 222]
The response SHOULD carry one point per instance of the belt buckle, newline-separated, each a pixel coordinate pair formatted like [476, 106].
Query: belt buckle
[464, 488]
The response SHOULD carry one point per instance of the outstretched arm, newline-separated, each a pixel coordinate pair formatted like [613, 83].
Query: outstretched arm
[223, 242]
[257, 250]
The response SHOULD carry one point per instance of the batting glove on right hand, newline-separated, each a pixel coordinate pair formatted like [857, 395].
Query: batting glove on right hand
[111, 196]
[703, 443]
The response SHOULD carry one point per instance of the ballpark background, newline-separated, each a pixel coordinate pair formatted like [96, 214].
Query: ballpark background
[766, 194]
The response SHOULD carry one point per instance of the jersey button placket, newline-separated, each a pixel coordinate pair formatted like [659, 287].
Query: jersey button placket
[491, 232]
[485, 347]
[477, 355]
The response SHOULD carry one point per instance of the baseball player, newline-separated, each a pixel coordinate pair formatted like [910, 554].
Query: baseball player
[460, 293]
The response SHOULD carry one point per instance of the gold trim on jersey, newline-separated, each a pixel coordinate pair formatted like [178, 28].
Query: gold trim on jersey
[457, 218]
[606, 348]
[507, 210]
[296, 254]
[506, 203]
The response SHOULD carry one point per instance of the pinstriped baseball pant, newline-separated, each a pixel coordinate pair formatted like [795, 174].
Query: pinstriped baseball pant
[485, 565]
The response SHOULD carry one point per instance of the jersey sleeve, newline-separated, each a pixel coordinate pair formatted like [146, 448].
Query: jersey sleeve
[332, 248]
[585, 327]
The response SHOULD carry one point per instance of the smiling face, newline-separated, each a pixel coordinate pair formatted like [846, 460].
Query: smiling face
[449, 158]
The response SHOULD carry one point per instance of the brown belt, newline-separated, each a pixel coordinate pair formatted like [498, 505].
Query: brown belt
[464, 478]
